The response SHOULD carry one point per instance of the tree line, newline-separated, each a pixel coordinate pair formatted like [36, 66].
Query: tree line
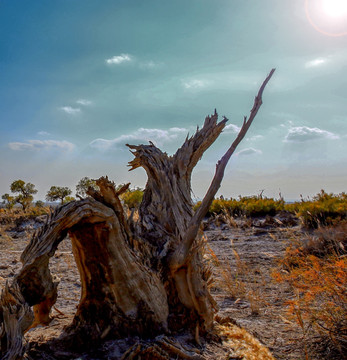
[23, 194]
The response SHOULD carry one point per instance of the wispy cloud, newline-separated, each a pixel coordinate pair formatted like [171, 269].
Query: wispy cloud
[83, 102]
[249, 151]
[70, 110]
[255, 138]
[43, 133]
[305, 133]
[157, 136]
[37, 145]
[194, 84]
[231, 129]
[226, 80]
[119, 59]
[315, 62]
[150, 65]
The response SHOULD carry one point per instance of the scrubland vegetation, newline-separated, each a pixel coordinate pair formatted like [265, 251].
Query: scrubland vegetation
[310, 296]
[131, 197]
[322, 210]
[314, 264]
[252, 206]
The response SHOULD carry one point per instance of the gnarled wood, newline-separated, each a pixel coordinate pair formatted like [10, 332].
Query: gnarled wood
[144, 278]
[183, 249]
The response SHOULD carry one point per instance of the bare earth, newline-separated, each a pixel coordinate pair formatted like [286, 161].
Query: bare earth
[247, 252]
[261, 309]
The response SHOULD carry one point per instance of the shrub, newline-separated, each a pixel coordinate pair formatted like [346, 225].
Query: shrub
[324, 209]
[132, 198]
[316, 269]
[249, 206]
[39, 204]
[260, 207]
[36, 211]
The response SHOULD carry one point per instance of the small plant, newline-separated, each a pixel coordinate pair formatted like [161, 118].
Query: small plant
[4, 238]
[235, 280]
[8, 200]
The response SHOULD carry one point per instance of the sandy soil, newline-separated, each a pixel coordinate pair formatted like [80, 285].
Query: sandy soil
[258, 303]
[247, 253]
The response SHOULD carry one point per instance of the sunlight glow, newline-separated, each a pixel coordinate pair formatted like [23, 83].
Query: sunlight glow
[335, 8]
[329, 17]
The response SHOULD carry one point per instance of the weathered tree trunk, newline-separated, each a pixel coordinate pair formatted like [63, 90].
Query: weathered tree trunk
[138, 278]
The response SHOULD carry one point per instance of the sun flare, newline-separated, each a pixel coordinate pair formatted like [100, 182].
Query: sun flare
[328, 17]
[335, 8]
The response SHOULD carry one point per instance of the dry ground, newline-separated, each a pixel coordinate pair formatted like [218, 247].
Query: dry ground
[247, 257]
[243, 257]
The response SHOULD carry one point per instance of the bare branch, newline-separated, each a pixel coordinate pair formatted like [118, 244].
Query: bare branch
[180, 255]
[193, 148]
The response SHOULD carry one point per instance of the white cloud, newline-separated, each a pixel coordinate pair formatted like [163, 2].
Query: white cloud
[194, 84]
[43, 133]
[249, 151]
[231, 129]
[255, 137]
[70, 110]
[315, 62]
[116, 60]
[225, 80]
[305, 133]
[150, 65]
[142, 135]
[177, 130]
[37, 145]
[83, 102]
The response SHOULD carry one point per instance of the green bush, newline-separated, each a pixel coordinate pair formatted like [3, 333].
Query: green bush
[324, 209]
[249, 206]
[132, 198]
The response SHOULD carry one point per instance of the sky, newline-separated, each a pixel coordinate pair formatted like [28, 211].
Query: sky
[81, 78]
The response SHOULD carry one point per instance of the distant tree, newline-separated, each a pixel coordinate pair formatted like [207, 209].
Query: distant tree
[83, 185]
[39, 204]
[25, 193]
[68, 199]
[58, 193]
[132, 198]
[8, 200]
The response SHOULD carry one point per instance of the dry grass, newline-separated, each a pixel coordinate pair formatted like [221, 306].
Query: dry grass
[5, 239]
[315, 266]
[240, 343]
[239, 281]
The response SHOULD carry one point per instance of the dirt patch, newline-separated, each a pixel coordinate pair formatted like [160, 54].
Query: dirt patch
[245, 290]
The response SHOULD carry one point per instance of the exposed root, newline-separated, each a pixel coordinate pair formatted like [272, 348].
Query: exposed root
[162, 348]
[59, 312]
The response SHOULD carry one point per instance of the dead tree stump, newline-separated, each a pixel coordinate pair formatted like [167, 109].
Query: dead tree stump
[141, 278]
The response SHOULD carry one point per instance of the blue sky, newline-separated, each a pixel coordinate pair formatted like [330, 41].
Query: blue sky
[80, 78]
